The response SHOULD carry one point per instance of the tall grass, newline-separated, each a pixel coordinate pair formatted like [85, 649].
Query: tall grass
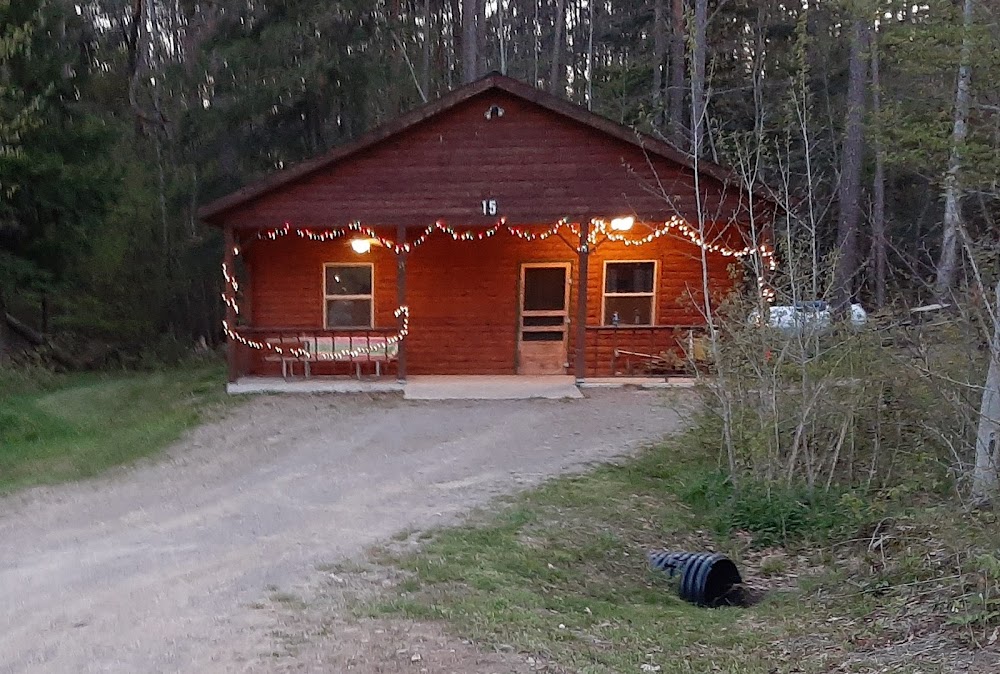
[64, 427]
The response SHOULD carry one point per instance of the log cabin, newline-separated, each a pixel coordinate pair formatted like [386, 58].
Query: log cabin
[497, 230]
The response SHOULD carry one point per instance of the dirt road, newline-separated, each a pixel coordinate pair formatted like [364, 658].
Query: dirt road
[155, 569]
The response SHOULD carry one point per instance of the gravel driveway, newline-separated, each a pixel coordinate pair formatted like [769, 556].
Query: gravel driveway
[156, 568]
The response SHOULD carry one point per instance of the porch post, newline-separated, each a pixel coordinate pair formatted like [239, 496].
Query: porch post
[228, 258]
[581, 300]
[401, 300]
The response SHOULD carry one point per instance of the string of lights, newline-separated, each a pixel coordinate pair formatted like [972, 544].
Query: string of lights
[229, 298]
[346, 354]
[396, 247]
[538, 236]
[613, 231]
[675, 225]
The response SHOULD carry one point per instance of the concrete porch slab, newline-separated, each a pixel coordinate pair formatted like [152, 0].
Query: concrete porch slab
[312, 385]
[639, 382]
[459, 387]
[490, 387]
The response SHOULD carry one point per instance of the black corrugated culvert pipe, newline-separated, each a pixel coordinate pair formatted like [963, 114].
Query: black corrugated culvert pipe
[707, 579]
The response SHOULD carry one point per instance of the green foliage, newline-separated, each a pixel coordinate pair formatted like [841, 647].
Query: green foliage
[18, 107]
[876, 409]
[917, 122]
[561, 572]
[776, 514]
[56, 428]
[55, 169]
[564, 567]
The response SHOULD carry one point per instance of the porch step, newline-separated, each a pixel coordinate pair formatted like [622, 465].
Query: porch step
[489, 387]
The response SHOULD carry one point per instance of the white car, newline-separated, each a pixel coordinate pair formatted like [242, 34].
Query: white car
[807, 317]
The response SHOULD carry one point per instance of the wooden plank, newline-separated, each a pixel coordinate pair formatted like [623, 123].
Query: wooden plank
[540, 358]
[464, 296]
[232, 347]
[457, 120]
[401, 260]
[583, 289]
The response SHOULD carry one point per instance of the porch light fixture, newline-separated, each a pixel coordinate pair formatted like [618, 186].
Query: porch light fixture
[361, 246]
[622, 224]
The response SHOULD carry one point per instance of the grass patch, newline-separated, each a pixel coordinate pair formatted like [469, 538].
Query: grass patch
[69, 427]
[561, 573]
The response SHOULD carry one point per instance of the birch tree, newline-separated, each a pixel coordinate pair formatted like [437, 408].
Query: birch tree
[984, 477]
[947, 266]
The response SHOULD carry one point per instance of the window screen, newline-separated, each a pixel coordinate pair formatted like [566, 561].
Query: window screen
[629, 292]
[347, 289]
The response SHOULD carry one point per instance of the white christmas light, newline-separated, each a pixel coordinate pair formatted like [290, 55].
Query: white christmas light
[610, 231]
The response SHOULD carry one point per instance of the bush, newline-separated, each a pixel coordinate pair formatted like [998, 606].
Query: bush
[17, 379]
[775, 514]
[847, 409]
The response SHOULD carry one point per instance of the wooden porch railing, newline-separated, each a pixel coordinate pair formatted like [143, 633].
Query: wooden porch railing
[310, 351]
[658, 350]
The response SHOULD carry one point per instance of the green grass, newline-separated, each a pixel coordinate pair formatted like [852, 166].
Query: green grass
[561, 573]
[58, 428]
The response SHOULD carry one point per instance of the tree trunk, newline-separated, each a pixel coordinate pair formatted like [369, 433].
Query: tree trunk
[675, 98]
[502, 34]
[469, 47]
[698, 58]
[425, 62]
[948, 262]
[850, 171]
[590, 56]
[555, 79]
[984, 477]
[481, 55]
[878, 188]
[536, 29]
[659, 49]
[4, 332]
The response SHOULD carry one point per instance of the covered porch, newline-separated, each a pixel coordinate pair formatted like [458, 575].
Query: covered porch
[530, 300]
[497, 231]
[454, 387]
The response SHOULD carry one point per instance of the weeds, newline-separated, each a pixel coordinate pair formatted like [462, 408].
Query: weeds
[64, 427]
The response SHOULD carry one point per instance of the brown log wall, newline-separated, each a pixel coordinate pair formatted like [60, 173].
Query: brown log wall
[538, 165]
[464, 296]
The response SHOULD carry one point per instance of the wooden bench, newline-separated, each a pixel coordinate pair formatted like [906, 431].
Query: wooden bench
[286, 357]
[378, 350]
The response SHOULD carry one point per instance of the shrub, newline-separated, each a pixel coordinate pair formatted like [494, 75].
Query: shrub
[776, 514]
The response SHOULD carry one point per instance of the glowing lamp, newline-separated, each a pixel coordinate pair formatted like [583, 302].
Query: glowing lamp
[622, 224]
[361, 246]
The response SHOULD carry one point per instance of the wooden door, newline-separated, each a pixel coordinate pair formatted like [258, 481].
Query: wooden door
[544, 320]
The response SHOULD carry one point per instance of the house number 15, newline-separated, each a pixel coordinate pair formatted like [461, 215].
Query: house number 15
[489, 206]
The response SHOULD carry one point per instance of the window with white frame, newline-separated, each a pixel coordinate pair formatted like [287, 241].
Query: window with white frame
[629, 293]
[348, 300]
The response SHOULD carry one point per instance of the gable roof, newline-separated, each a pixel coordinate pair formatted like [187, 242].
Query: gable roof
[491, 82]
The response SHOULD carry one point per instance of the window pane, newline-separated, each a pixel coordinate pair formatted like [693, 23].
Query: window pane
[542, 321]
[544, 288]
[348, 313]
[342, 280]
[631, 310]
[629, 277]
[554, 336]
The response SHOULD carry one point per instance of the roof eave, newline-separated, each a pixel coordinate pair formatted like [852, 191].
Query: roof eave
[214, 211]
